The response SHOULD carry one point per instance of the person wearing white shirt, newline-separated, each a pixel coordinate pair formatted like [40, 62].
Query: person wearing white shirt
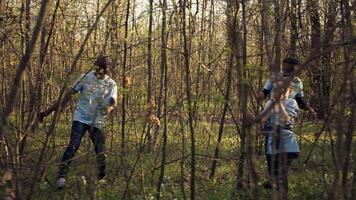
[97, 97]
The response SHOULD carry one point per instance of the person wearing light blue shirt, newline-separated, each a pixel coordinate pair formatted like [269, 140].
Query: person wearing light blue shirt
[281, 146]
[288, 68]
[296, 89]
[97, 97]
[287, 141]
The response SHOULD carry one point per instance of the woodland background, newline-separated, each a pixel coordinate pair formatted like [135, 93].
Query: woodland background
[196, 65]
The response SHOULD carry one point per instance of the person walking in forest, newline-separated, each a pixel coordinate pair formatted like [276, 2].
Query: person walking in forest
[281, 146]
[97, 97]
[289, 65]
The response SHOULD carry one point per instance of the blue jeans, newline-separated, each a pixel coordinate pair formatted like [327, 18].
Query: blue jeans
[97, 137]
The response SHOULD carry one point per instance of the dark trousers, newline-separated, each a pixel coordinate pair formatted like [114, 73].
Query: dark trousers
[283, 160]
[97, 137]
[278, 166]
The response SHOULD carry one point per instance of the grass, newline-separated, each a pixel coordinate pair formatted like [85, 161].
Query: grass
[305, 182]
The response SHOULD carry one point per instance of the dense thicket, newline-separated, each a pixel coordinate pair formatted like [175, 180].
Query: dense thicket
[197, 66]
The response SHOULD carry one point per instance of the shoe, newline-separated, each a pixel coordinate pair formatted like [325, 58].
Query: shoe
[267, 185]
[60, 182]
[101, 176]
[102, 181]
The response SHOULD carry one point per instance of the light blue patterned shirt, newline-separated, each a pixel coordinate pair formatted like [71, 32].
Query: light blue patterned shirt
[284, 140]
[94, 98]
[297, 87]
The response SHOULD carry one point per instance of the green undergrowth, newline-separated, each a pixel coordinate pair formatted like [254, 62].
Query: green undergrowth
[306, 181]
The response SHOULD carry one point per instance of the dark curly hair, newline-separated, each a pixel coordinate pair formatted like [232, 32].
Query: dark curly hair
[102, 62]
[289, 64]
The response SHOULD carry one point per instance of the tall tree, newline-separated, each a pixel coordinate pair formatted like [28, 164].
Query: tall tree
[234, 39]
[244, 84]
[163, 92]
[150, 99]
[225, 108]
[187, 80]
[124, 82]
[277, 35]
[344, 122]
[315, 70]
[326, 59]
[294, 29]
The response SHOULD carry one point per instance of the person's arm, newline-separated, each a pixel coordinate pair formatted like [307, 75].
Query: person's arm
[263, 95]
[304, 105]
[111, 105]
[76, 87]
[266, 91]
[267, 108]
[283, 114]
[312, 111]
[67, 96]
[299, 97]
[112, 100]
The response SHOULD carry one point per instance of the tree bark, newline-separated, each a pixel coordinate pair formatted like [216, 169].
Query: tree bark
[187, 80]
[123, 100]
[277, 37]
[315, 70]
[326, 60]
[149, 67]
[222, 120]
[163, 89]
[294, 29]
[348, 96]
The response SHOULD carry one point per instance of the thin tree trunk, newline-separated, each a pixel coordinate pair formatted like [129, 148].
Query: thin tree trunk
[326, 63]
[234, 40]
[123, 100]
[149, 66]
[164, 88]
[348, 95]
[277, 37]
[222, 121]
[2, 5]
[189, 97]
[245, 130]
[265, 29]
[335, 192]
[294, 29]
[315, 71]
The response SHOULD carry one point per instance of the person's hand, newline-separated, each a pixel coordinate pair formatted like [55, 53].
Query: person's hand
[41, 116]
[107, 110]
[312, 112]
[260, 97]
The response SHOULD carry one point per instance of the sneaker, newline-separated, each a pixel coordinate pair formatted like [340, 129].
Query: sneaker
[102, 181]
[267, 185]
[60, 182]
[101, 176]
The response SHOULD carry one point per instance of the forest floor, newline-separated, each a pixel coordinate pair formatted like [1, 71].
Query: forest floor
[305, 181]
